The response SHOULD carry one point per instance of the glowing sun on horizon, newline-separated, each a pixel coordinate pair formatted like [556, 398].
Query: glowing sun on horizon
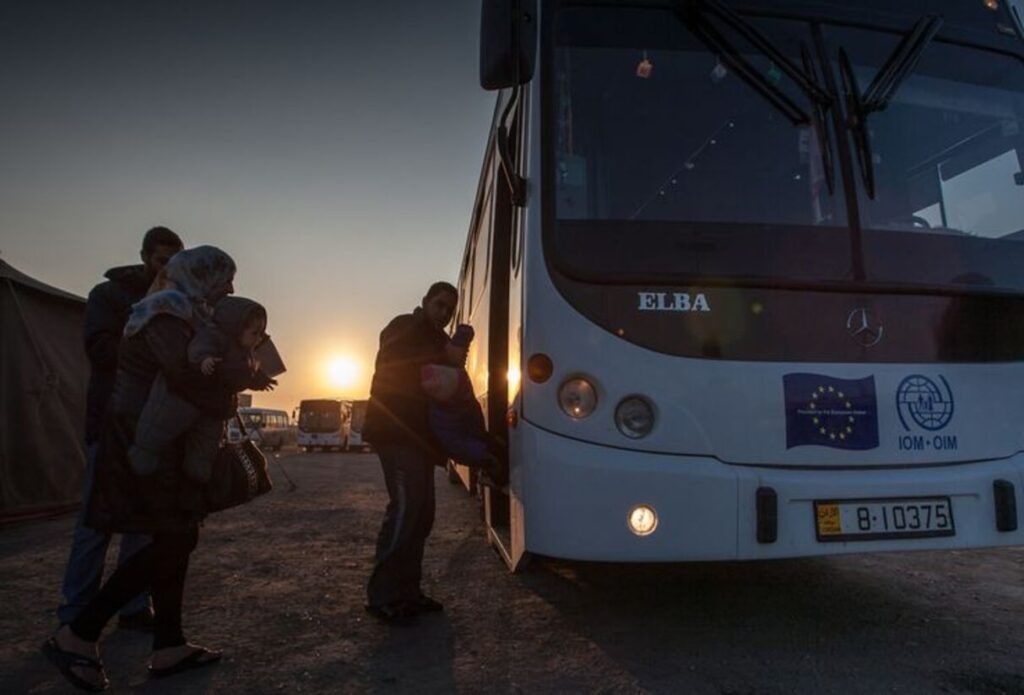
[342, 371]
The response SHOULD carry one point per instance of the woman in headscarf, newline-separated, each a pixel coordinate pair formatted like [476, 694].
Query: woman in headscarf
[155, 341]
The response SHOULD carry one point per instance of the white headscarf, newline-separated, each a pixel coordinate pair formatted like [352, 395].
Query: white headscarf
[184, 287]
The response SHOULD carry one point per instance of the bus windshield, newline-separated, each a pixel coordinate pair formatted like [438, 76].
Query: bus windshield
[666, 164]
[253, 419]
[319, 416]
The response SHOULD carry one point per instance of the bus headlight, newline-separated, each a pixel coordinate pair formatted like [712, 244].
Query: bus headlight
[642, 520]
[634, 417]
[578, 398]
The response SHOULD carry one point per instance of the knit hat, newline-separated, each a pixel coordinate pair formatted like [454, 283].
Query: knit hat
[463, 335]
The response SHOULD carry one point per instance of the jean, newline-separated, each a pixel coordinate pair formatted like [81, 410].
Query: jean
[84, 571]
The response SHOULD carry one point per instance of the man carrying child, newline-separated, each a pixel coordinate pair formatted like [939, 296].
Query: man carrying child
[397, 424]
[422, 411]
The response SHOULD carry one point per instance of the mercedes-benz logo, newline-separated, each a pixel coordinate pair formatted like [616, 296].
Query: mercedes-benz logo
[864, 327]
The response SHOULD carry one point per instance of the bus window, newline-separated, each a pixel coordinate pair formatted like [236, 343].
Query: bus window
[482, 250]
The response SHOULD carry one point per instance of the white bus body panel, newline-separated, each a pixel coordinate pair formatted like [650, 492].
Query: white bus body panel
[721, 434]
[319, 438]
[576, 498]
[736, 411]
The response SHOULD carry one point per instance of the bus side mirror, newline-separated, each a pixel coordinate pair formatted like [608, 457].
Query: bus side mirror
[508, 43]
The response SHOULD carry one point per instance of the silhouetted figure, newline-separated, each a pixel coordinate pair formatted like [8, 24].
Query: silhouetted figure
[456, 418]
[156, 341]
[106, 312]
[397, 425]
[223, 351]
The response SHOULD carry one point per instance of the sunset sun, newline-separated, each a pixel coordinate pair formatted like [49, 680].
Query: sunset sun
[342, 371]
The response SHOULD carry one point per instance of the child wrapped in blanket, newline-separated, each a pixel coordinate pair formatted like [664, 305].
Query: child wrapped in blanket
[222, 350]
[456, 418]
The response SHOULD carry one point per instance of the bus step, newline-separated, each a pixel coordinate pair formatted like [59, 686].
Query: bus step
[496, 519]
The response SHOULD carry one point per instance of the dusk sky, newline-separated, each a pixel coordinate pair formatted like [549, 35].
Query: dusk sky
[332, 148]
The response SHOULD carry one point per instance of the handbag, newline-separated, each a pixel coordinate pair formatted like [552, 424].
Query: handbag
[240, 474]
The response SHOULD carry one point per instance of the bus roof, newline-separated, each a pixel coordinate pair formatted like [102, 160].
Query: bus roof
[248, 410]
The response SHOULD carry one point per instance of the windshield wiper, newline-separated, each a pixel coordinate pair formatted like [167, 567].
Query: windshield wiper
[820, 114]
[897, 67]
[694, 13]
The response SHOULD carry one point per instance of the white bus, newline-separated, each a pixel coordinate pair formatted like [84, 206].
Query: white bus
[324, 424]
[355, 432]
[761, 271]
[270, 429]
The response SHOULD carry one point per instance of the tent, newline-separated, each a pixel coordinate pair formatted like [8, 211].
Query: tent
[43, 378]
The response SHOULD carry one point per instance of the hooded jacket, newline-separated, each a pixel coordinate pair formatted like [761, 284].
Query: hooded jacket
[106, 312]
[216, 394]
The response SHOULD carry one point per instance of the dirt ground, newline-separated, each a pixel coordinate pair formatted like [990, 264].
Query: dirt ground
[278, 585]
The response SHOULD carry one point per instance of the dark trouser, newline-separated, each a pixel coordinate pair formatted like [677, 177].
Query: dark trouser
[84, 571]
[409, 474]
[161, 566]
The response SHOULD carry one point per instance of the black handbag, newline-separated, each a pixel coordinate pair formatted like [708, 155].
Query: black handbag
[239, 475]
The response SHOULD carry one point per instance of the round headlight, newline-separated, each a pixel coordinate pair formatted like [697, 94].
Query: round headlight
[642, 520]
[634, 417]
[578, 398]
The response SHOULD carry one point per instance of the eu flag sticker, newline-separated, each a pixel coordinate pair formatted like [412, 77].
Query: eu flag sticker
[821, 410]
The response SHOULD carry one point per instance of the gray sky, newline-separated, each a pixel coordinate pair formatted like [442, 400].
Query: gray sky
[332, 148]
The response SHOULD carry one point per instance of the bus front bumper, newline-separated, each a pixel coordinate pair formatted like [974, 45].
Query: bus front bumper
[576, 498]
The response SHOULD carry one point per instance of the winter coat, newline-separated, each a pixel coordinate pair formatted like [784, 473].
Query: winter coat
[166, 500]
[456, 418]
[217, 395]
[397, 412]
[106, 312]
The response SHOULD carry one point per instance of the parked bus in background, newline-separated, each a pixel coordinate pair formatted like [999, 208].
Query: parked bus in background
[270, 429]
[355, 434]
[324, 424]
[760, 266]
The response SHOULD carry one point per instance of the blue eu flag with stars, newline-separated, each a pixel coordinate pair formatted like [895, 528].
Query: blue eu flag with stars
[824, 411]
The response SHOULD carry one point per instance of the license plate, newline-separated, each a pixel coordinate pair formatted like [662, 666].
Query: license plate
[876, 519]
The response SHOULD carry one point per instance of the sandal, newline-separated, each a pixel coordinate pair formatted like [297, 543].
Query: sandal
[65, 661]
[197, 659]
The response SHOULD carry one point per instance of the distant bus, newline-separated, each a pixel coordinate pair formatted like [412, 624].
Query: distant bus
[324, 424]
[355, 434]
[268, 428]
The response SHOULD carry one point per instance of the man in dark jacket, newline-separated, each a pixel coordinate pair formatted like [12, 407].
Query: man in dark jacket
[397, 424]
[106, 312]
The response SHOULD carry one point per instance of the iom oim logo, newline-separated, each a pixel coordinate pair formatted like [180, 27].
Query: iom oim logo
[924, 402]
